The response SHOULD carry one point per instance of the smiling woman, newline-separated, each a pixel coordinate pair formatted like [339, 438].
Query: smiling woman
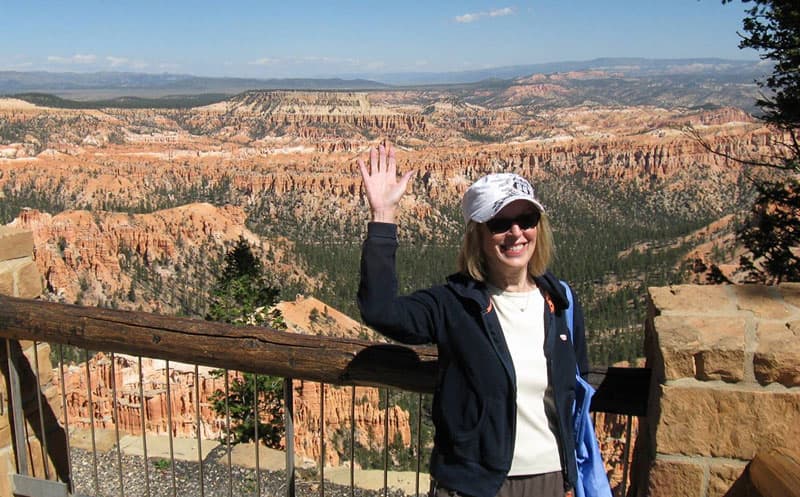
[502, 406]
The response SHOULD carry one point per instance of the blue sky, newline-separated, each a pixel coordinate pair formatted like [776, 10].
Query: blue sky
[323, 38]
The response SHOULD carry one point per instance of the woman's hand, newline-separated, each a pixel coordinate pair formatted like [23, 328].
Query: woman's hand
[384, 189]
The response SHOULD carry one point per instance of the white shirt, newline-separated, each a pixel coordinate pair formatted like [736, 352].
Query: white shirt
[521, 316]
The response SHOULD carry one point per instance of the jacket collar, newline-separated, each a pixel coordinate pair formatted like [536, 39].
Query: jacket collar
[464, 286]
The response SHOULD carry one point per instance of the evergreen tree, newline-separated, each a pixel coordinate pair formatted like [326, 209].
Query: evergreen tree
[772, 233]
[242, 296]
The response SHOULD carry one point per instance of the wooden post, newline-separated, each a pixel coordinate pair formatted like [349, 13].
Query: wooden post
[776, 473]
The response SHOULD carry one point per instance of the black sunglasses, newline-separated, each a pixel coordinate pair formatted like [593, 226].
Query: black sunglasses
[525, 221]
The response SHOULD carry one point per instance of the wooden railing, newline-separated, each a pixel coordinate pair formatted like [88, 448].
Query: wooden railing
[329, 360]
[338, 361]
[776, 473]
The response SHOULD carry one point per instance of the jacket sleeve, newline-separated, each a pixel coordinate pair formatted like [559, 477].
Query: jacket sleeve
[408, 319]
[579, 337]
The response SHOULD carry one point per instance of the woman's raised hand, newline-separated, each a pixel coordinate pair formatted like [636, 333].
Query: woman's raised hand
[384, 188]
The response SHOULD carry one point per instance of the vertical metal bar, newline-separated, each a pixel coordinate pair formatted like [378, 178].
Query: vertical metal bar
[17, 409]
[169, 422]
[144, 428]
[626, 453]
[70, 484]
[419, 441]
[386, 446]
[199, 427]
[228, 434]
[256, 418]
[45, 452]
[288, 422]
[91, 422]
[116, 422]
[322, 440]
[352, 441]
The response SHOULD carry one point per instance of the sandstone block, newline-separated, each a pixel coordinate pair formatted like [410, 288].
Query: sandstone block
[777, 357]
[20, 278]
[44, 368]
[723, 477]
[706, 348]
[7, 467]
[5, 432]
[725, 422]
[673, 478]
[790, 293]
[763, 301]
[692, 298]
[29, 281]
[15, 243]
[6, 279]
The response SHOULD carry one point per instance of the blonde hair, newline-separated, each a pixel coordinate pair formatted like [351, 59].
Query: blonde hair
[471, 260]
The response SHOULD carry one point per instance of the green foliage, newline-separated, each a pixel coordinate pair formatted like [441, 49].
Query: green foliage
[773, 28]
[244, 409]
[242, 296]
[773, 233]
[161, 464]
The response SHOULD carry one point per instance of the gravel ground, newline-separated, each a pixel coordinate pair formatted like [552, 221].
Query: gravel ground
[187, 479]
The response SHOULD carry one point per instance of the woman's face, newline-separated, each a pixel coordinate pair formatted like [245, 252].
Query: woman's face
[510, 251]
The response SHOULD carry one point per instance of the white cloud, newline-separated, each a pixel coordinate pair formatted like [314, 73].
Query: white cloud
[474, 16]
[117, 61]
[264, 61]
[506, 11]
[466, 18]
[75, 59]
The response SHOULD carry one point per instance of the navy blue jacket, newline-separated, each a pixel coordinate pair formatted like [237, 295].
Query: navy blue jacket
[474, 405]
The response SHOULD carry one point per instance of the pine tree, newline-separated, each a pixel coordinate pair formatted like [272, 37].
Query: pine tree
[243, 297]
[772, 233]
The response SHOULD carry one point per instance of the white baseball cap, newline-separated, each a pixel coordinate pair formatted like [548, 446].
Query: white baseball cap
[487, 196]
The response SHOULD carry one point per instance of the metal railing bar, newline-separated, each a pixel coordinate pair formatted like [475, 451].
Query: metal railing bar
[17, 409]
[257, 420]
[45, 452]
[419, 443]
[115, 407]
[169, 430]
[199, 427]
[228, 434]
[288, 421]
[626, 453]
[70, 484]
[322, 440]
[91, 421]
[386, 445]
[144, 428]
[352, 441]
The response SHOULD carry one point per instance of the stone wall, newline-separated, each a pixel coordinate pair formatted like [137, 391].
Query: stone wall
[726, 385]
[19, 277]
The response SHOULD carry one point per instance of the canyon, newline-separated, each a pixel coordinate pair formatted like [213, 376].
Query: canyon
[136, 208]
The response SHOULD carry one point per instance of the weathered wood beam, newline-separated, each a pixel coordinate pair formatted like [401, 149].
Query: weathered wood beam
[252, 349]
[776, 472]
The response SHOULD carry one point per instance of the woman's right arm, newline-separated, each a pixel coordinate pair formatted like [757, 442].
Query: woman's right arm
[408, 319]
[405, 319]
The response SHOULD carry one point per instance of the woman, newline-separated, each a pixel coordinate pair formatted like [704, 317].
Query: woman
[502, 405]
